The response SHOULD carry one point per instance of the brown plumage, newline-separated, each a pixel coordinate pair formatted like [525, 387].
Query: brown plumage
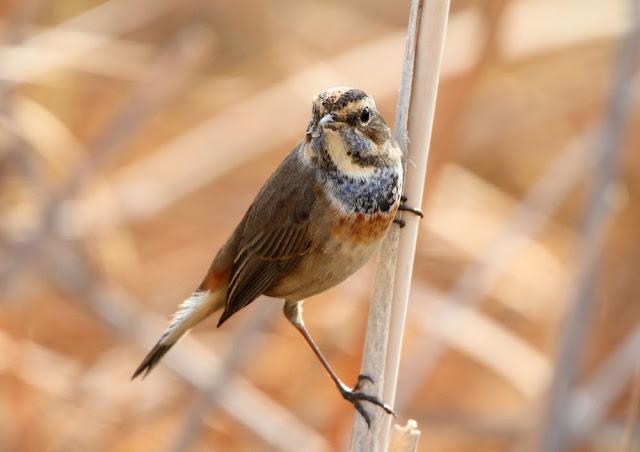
[316, 220]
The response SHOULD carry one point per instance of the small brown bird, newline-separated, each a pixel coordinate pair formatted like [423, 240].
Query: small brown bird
[317, 219]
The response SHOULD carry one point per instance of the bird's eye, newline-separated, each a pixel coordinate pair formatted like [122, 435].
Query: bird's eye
[365, 115]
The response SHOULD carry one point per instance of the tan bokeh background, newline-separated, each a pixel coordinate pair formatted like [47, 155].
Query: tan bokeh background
[133, 136]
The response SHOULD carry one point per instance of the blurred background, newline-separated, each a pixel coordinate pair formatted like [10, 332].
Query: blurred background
[134, 135]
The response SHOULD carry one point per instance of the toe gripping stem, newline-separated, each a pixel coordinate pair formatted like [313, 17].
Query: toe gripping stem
[405, 208]
[355, 396]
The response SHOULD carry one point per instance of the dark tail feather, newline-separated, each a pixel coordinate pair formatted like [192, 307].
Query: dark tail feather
[153, 358]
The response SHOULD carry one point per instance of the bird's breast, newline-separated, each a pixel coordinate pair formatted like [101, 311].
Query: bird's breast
[361, 228]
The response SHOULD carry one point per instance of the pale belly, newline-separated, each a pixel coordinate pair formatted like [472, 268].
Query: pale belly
[324, 268]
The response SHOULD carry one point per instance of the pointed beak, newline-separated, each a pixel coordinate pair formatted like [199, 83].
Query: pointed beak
[326, 120]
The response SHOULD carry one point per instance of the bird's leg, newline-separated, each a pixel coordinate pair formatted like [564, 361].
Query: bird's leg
[293, 312]
[405, 208]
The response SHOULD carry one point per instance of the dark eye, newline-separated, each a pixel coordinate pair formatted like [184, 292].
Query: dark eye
[365, 115]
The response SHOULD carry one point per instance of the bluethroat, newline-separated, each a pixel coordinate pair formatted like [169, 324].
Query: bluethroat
[317, 219]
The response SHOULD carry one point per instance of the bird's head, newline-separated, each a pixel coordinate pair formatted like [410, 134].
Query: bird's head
[347, 129]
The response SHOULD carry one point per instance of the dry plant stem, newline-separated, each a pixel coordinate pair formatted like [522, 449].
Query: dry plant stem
[555, 432]
[429, 48]
[405, 439]
[375, 347]
[414, 119]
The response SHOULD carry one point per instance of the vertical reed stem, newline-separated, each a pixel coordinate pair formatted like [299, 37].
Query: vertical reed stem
[388, 306]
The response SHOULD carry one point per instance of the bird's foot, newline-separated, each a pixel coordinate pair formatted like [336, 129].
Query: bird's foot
[356, 398]
[405, 208]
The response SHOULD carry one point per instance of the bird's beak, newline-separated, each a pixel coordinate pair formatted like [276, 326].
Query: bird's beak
[326, 120]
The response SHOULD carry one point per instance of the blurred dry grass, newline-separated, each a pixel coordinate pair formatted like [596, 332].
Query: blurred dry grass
[133, 135]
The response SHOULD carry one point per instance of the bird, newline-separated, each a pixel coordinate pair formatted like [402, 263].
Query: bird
[317, 219]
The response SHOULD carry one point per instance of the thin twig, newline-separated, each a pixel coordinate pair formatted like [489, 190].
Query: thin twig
[555, 431]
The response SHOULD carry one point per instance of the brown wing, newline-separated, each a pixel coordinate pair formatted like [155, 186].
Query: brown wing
[275, 236]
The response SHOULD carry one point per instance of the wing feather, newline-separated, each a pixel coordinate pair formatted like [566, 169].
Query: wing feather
[275, 237]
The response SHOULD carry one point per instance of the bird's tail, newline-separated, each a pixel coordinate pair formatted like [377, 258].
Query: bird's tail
[192, 311]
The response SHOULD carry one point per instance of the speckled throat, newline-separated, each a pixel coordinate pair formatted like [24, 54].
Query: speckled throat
[378, 192]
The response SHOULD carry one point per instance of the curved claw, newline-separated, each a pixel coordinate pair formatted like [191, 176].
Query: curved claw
[406, 208]
[413, 210]
[361, 378]
[356, 397]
